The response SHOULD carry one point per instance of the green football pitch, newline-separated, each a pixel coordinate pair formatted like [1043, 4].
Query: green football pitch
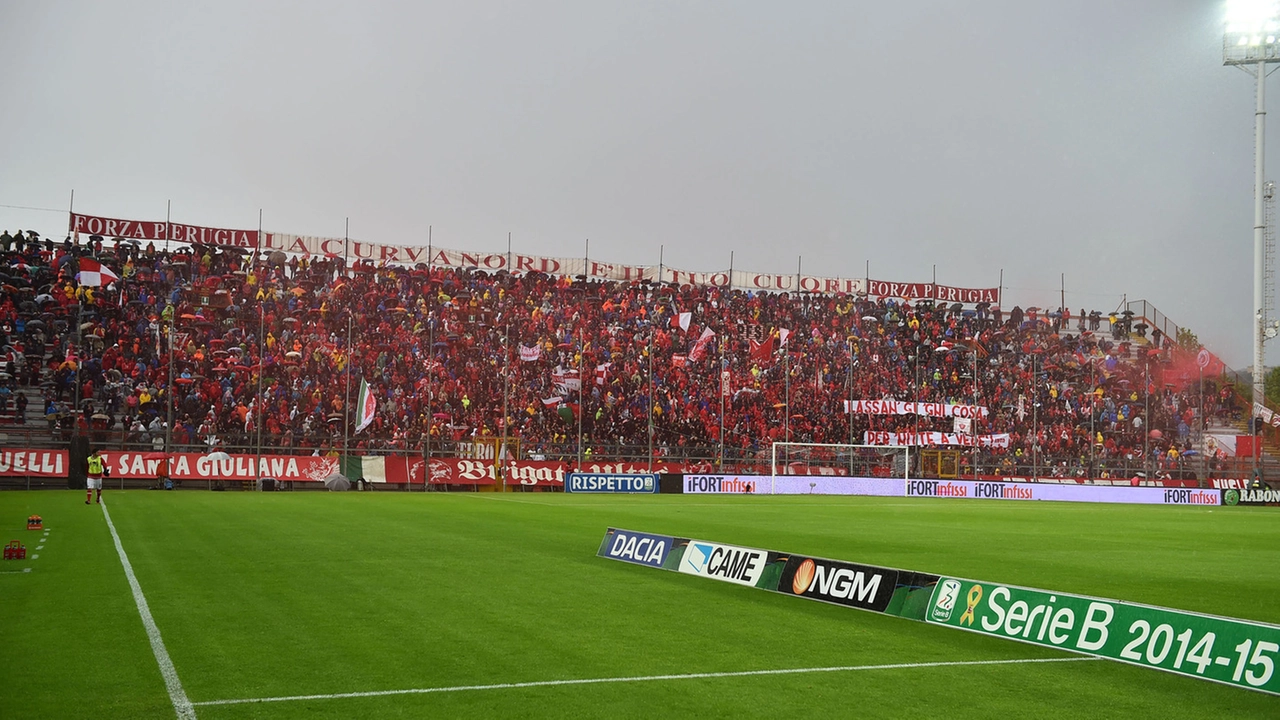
[485, 605]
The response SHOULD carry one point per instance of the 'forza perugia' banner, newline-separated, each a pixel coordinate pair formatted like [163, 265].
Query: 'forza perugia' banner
[161, 230]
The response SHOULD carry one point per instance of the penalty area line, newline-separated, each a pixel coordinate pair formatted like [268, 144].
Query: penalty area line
[641, 678]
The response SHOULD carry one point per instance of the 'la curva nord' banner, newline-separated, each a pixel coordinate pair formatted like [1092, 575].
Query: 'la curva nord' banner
[412, 255]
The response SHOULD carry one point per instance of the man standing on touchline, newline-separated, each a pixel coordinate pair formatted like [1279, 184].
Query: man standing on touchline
[96, 469]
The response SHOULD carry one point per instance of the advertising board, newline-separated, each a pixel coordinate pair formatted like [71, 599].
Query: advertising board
[730, 563]
[991, 490]
[731, 484]
[826, 485]
[1251, 496]
[33, 463]
[1225, 650]
[639, 548]
[833, 581]
[610, 483]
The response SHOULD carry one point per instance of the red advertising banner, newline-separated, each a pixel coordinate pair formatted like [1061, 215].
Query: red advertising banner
[930, 291]
[549, 473]
[198, 466]
[453, 471]
[33, 463]
[160, 230]
[540, 473]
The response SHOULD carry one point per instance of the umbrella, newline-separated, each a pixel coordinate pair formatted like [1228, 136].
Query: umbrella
[218, 456]
[337, 482]
[44, 298]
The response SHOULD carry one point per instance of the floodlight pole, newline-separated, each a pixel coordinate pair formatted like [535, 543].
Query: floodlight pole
[1259, 231]
[1251, 42]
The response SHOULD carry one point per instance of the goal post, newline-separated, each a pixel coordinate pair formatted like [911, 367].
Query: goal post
[854, 460]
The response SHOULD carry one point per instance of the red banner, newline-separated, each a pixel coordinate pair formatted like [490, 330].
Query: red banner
[160, 230]
[33, 463]
[541, 473]
[930, 291]
[198, 466]
[452, 471]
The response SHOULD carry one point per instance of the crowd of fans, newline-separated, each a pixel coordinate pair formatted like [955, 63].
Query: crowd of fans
[255, 350]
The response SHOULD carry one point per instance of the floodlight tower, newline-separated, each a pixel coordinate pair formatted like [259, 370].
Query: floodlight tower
[1250, 42]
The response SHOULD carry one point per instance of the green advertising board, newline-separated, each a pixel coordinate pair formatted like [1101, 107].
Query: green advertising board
[1225, 650]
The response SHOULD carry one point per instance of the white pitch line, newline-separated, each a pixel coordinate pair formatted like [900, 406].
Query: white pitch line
[640, 678]
[178, 696]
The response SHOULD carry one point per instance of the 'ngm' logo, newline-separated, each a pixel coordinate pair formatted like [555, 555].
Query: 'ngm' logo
[857, 586]
[723, 562]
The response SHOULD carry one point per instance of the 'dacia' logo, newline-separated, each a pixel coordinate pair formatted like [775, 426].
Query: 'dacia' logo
[803, 577]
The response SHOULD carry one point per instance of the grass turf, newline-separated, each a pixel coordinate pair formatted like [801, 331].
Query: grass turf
[282, 594]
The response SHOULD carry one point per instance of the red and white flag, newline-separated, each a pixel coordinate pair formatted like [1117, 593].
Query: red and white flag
[552, 402]
[602, 373]
[783, 334]
[682, 320]
[366, 406]
[95, 274]
[700, 347]
[530, 354]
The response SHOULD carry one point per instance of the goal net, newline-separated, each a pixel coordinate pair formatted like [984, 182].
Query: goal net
[797, 458]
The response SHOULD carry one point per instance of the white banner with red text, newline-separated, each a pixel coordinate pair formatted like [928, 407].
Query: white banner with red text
[896, 407]
[411, 255]
[933, 439]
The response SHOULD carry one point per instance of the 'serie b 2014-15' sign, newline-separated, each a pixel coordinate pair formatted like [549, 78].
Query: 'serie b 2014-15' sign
[609, 483]
[1225, 650]
[1236, 652]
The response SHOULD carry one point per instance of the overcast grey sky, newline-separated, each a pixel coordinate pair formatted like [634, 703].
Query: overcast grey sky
[1102, 140]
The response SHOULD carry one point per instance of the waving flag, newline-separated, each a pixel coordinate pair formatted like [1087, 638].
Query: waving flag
[95, 274]
[700, 347]
[530, 354]
[682, 320]
[366, 405]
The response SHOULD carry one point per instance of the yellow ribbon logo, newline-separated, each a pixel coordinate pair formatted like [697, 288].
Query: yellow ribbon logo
[973, 598]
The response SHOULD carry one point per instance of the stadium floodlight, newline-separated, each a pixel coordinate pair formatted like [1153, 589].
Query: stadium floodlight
[1250, 41]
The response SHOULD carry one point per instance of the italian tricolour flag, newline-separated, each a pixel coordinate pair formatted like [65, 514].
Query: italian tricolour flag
[366, 405]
